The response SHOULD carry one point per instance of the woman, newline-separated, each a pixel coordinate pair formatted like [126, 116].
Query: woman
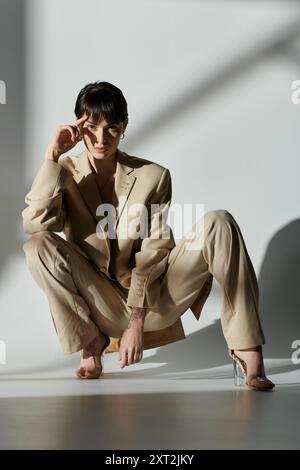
[109, 279]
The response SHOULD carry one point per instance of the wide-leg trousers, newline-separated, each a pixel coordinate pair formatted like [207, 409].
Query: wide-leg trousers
[84, 302]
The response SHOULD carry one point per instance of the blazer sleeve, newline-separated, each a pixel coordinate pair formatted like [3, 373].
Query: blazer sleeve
[151, 259]
[45, 209]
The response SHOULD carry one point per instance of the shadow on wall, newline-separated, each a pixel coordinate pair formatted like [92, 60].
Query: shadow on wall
[279, 282]
[206, 87]
[12, 117]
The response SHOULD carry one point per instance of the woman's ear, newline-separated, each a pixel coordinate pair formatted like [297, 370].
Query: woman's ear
[124, 125]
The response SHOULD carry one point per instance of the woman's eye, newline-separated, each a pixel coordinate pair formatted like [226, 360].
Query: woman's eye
[93, 127]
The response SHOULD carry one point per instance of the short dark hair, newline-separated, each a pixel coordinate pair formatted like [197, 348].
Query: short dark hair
[101, 100]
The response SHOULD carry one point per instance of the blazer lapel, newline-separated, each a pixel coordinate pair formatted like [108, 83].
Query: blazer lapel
[124, 182]
[88, 189]
[86, 183]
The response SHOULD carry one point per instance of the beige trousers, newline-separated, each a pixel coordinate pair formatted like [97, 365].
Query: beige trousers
[84, 302]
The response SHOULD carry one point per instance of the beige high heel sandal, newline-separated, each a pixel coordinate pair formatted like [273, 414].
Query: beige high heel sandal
[258, 383]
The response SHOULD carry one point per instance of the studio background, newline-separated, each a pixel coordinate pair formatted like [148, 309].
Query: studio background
[208, 87]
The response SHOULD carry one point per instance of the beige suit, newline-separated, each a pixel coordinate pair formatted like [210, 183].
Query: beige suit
[92, 280]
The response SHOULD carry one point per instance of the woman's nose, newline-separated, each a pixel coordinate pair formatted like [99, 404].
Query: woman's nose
[101, 136]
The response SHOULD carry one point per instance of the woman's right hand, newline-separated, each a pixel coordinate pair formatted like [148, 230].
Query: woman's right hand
[65, 138]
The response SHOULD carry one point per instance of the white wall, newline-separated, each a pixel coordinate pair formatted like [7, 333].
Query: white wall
[208, 91]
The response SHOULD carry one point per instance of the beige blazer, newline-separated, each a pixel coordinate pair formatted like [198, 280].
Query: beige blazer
[64, 198]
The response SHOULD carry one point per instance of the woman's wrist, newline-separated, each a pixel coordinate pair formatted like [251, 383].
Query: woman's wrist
[137, 315]
[51, 155]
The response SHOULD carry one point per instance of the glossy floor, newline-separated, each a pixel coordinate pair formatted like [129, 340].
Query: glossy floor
[148, 406]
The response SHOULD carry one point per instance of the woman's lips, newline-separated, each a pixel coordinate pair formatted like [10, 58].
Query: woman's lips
[100, 149]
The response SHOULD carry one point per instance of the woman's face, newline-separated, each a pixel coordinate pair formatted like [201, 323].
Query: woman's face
[102, 138]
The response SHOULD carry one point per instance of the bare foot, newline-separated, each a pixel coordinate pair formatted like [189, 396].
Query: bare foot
[253, 358]
[90, 366]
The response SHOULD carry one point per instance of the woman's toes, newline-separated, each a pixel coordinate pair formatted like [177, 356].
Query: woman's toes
[83, 373]
[92, 376]
[80, 372]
